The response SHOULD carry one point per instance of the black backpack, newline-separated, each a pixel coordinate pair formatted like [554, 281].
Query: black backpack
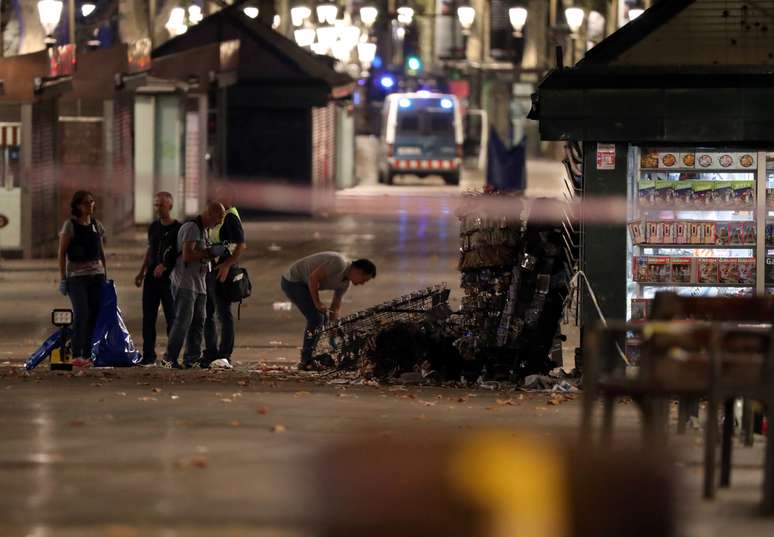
[237, 286]
[168, 251]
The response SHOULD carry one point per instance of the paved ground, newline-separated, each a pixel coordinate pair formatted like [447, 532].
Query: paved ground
[154, 452]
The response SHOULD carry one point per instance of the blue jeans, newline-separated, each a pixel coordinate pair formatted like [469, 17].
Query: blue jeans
[188, 326]
[298, 293]
[85, 293]
[217, 305]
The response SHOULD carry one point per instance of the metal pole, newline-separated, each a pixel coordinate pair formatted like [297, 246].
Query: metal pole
[152, 18]
[71, 20]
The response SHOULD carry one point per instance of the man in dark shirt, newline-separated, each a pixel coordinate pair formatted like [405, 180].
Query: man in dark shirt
[154, 277]
[217, 352]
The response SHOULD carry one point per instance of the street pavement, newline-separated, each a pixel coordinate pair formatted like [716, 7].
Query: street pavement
[147, 451]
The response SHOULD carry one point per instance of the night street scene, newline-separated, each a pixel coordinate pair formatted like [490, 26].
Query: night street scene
[344, 268]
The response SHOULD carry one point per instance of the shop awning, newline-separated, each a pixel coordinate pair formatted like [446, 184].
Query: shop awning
[267, 60]
[686, 71]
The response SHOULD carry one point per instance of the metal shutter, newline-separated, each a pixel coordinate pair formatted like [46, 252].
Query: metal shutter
[44, 195]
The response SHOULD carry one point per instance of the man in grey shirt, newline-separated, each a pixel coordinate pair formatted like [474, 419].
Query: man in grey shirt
[189, 287]
[304, 280]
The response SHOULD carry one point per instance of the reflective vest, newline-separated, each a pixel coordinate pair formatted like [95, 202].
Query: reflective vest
[215, 233]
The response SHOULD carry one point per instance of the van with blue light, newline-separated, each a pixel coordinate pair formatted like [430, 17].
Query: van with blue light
[421, 135]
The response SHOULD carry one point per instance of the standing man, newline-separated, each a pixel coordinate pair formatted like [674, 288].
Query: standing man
[303, 282]
[154, 276]
[189, 285]
[218, 354]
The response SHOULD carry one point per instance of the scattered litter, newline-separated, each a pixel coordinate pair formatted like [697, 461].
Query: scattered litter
[122, 394]
[225, 400]
[263, 410]
[174, 397]
[77, 423]
[275, 343]
[279, 428]
[282, 306]
[274, 247]
[236, 423]
[156, 390]
[146, 398]
[194, 461]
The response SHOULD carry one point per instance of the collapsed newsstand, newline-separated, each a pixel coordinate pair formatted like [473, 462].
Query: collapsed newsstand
[676, 122]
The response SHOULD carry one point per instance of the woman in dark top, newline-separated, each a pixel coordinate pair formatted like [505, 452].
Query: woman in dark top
[82, 271]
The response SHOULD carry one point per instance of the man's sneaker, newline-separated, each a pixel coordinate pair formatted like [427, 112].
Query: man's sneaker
[167, 364]
[148, 362]
[81, 362]
[221, 363]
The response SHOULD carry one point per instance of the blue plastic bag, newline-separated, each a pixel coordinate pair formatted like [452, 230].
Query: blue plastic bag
[44, 351]
[112, 344]
[505, 168]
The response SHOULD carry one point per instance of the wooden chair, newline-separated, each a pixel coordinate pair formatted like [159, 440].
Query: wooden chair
[712, 347]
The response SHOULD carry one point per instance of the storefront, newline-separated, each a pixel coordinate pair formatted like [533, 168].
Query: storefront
[677, 124]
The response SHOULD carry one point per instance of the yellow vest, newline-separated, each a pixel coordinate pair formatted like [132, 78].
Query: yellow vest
[215, 233]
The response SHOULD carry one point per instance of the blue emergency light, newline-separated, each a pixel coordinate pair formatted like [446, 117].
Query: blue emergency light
[404, 103]
[447, 103]
[387, 82]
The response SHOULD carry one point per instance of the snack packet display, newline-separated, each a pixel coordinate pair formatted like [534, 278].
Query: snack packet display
[743, 193]
[652, 233]
[769, 234]
[728, 270]
[636, 232]
[749, 233]
[683, 193]
[747, 271]
[641, 269]
[640, 309]
[695, 233]
[707, 270]
[770, 198]
[702, 193]
[681, 233]
[722, 233]
[769, 271]
[667, 232]
[647, 192]
[664, 193]
[660, 269]
[723, 194]
[708, 233]
[737, 232]
[681, 269]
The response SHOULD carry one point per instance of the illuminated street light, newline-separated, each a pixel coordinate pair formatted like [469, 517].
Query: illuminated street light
[368, 15]
[518, 18]
[326, 37]
[87, 8]
[195, 14]
[326, 13]
[635, 12]
[574, 17]
[275, 22]
[176, 23]
[49, 12]
[405, 15]
[298, 14]
[366, 52]
[251, 11]
[304, 37]
[466, 16]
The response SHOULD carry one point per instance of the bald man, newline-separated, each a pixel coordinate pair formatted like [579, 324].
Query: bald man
[189, 286]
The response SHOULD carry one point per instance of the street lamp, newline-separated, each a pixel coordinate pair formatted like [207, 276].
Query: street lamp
[327, 13]
[251, 11]
[635, 12]
[87, 8]
[304, 37]
[574, 17]
[326, 37]
[195, 14]
[49, 12]
[466, 16]
[298, 14]
[518, 18]
[368, 15]
[176, 23]
[405, 15]
[276, 21]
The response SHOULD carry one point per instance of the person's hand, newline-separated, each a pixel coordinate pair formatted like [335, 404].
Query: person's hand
[63, 287]
[223, 273]
[218, 250]
[158, 272]
[322, 308]
[333, 315]
[138, 279]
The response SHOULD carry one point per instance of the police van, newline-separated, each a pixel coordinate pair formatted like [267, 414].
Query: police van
[421, 135]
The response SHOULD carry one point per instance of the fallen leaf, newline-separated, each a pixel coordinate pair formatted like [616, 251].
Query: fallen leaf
[236, 423]
[504, 402]
[302, 393]
[147, 399]
[225, 400]
[462, 399]
[195, 461]
[279, 428]
[122, 394]
[243, 382]
[77, 423]
[263, 410]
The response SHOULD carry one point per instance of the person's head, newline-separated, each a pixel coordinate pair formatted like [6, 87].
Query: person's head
[162, 204]
[361, 271]
[82, 204]
[213, 214]
[224, 194]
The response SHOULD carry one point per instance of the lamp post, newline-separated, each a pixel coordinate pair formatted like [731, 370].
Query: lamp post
[368, 16]
[298, 14]
[49, 12]
[518, 18]
[635, 12]
[574, 17]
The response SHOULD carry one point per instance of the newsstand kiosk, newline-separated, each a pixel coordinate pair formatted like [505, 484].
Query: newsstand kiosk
[679, 123]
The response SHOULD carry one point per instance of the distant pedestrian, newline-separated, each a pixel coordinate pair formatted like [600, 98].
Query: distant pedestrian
[304, 280]
[189, 286]
[82, 271]
[218, 350]
[153, 276]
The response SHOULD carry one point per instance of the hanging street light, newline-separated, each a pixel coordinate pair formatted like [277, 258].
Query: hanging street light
[466, 16]
[326, 13]
[87, 8]
[368, 15]
[405, 15]
[195, 15]
[298, 14]
[49, 12]
[518, 18]
[635, 12]
[327, 36]
[574, 17]
[304, 37]
[176, 23]
[251, 11]
[275, 22]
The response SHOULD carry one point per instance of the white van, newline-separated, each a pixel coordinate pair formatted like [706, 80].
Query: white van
[421, 135]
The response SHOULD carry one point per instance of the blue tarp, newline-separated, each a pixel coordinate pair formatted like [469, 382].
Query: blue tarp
[112, 344]
[44, 351]
[506, 169]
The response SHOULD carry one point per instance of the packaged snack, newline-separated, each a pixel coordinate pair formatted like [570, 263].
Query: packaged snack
[667, 232]
[770, 197]
[681, 269]
[647, 192]
[683, 193]
[649, 159]
[728, 270]
[635, 232]
[737, 232]
[681, 232]
[747, 271]
[702, 193]
[640, 309]
[743, 193]
[665, 193]
[707, 271]
[723, 194]
[695, 233]
[749, 233]
[660, 269]
[769, 271]
[687, 160]
[708, 233]
[633, 350]
[722, 233]
[653, 233]
[641, 269]
[769, 234]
